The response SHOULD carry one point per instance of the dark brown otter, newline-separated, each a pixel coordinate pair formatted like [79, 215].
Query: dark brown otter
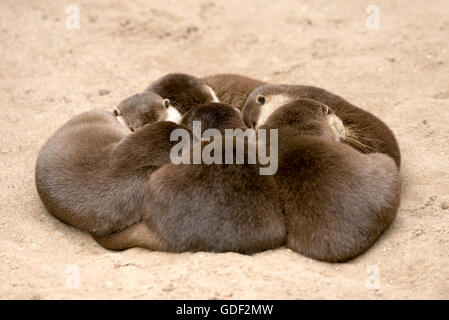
[144, 108]
[214, 207]
[208, 207]
[337, 201]
[214, 115]
[364, 131]
[78, 169]
[165, 99]
[232, 89]
[92, 172]
[183, 90]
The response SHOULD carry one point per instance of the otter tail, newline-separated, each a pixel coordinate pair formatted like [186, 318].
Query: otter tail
[137, 235]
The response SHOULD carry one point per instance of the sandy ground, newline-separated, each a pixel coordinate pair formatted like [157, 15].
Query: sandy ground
[48, 74]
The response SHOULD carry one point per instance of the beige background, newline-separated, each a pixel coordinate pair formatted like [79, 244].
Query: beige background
[49, 74]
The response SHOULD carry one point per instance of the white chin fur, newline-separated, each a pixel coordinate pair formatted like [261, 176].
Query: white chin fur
[173, 115]
[272, 103]
[122, 122]
[214, 96]
[337, 126]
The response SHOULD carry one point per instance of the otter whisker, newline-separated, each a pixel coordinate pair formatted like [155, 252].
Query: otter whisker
[356, 133]
[358, 143]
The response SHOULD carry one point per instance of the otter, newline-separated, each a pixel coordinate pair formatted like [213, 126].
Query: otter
[92, 172]
[208, 207]
[232, 89]
[215, 207]
[219, 116]
[337, 201]
[363, 131]
[178, 92]
[144, 108]
[183, 90]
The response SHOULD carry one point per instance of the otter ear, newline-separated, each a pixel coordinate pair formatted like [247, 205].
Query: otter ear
[166, 103]
[260, 99]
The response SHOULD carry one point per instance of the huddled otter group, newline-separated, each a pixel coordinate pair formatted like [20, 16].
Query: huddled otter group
[336, 189]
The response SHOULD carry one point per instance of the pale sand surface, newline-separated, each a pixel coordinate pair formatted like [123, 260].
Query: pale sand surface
[48, 74]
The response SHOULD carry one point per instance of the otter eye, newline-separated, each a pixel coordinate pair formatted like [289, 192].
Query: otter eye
[325, 110]
[166, 103]
[260, 99]
[116, 112]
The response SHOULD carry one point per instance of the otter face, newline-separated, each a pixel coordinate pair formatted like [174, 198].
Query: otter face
[309, 117]
[144, 108]
[184, 91]
[257, 109]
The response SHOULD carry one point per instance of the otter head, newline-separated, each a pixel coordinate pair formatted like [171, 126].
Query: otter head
[262, 102]
[308, 117]
[214, 115]
[144, 108]
[184, 91]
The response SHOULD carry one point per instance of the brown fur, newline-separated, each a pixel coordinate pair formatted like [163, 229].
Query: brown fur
[181, 91]
[305, 115]
[92, 173]
[184, 91]
[232, 89]
[141, 109]
[214, 116]
[217, 207]
[337, 201]
[367, 133]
